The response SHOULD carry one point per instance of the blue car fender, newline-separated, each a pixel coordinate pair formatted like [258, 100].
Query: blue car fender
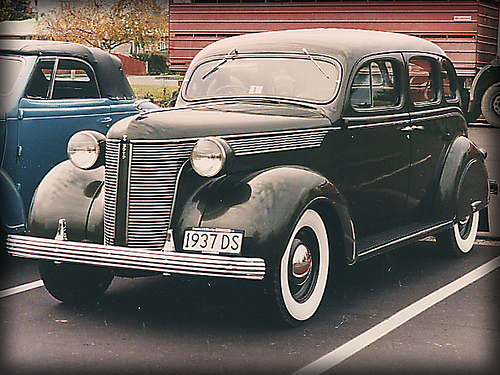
[12, 215]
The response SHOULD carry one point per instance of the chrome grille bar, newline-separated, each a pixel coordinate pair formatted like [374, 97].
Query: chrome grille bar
[110, 189]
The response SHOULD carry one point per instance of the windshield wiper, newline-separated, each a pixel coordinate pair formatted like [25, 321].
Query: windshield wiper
[231, 55]
[315, 63]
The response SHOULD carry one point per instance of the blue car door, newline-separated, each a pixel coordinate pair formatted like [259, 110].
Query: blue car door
[61, 99]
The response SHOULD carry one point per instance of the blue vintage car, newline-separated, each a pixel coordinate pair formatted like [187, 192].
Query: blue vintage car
[48, 92]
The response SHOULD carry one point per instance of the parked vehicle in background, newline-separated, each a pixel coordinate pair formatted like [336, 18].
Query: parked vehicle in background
[288, 156]
[485, 94]
[50, 91]
[467, 30]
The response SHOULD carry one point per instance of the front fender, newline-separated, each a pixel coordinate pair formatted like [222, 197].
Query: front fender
[65, 192]
[463, 182]
[12, 215]
[265, 205]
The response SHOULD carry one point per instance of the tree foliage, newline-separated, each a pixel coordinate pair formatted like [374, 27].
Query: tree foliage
[15, 10]
[106, 24]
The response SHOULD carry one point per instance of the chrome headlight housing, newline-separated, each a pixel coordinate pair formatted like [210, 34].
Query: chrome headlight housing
[86, 149]
[211, 156]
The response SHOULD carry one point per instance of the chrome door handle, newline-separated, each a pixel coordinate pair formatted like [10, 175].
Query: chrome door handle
[411, 128]
[106, 120]
[407, 129]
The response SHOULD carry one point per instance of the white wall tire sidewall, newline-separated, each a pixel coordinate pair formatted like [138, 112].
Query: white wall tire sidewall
[465, 245]
[305, 310]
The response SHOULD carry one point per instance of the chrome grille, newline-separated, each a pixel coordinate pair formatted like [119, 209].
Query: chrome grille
[110, 189]
[153, 178]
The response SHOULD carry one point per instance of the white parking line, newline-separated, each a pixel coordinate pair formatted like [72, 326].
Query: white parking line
[355, 345]
[21, 288]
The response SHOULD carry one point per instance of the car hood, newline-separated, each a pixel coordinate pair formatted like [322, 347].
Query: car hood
[217, 120]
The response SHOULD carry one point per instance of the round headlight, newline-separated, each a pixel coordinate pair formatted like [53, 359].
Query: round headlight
[86, 149]
[210, 156]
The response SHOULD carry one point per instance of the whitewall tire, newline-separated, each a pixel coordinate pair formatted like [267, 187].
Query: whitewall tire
[302, 274]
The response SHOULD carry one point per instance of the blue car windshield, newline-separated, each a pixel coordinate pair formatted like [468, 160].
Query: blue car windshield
[303, 78]
[10, 71]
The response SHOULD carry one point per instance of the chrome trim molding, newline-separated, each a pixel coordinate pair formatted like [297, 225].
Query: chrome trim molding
[136, 258]
[249, 145]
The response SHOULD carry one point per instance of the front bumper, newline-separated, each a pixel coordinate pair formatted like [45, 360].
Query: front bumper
[166, 262]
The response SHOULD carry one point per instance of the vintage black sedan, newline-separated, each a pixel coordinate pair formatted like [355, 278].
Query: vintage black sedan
[287, 156]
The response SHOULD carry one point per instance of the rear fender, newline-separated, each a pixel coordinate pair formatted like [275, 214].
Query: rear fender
[266, 205]
[463, 186]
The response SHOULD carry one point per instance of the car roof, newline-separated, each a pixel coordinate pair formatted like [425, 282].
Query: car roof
[108, 68]
[347, 45]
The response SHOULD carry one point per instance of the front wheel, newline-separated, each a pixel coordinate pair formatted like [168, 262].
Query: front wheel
[459, 240]
[75, 284]
[301, 276]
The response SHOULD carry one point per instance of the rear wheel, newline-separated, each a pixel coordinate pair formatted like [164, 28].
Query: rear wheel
[459, 240]
[75, 283]
[301, 276]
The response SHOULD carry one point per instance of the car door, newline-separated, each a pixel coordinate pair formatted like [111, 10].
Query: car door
[435, 117]
[377, 151]
[61, 98]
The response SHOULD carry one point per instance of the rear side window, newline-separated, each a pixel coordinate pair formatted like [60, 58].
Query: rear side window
[375, 86]
[10, 71]
[423, 81]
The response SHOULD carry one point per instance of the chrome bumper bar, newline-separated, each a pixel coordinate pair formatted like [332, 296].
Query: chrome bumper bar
[167, 262]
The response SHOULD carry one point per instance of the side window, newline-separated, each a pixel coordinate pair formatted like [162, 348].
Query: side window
[375, 86]
[423, 82]
[39, 85]
[74, 79]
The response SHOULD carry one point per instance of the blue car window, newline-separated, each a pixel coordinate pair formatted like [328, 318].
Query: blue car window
[74, 79]
[39, 84]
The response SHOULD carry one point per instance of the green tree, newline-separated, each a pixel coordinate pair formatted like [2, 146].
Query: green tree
[106, 24]
[16, 10]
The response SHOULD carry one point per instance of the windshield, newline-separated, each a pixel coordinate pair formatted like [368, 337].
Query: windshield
[300, 78]
[10, 71]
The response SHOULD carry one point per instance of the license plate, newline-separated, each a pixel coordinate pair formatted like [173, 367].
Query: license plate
[213, 240]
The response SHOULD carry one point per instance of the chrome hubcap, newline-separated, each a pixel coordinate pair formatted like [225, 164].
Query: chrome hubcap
[496, 104]
[464, 227]
[303, 265]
